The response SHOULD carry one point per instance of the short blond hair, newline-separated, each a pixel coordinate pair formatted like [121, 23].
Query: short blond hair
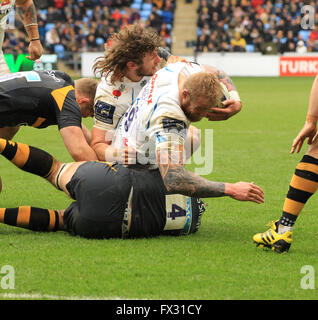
[204, 85]
[87, 87]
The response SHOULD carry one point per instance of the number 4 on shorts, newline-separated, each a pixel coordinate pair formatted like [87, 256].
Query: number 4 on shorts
[177, 212]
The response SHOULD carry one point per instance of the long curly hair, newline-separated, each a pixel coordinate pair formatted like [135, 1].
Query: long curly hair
[131, 43]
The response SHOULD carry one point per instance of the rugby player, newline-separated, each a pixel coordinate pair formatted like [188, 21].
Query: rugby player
[156, 125]
[127, 66]
[43, 98]
[114, 200]
[27, 13]
[303, 185]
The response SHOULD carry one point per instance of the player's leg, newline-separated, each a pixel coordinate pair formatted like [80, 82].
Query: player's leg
[303, 185]
[32, 218]
[102, 192]
[8, 132]
[29, 159]
[41, 163]
[38, 162]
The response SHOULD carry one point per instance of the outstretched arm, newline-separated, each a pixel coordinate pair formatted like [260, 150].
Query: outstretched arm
[179, 180]
[27, 13]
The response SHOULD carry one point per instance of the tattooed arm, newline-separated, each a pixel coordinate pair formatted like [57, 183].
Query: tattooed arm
[233, 105]
[27, 13]
[179, 180]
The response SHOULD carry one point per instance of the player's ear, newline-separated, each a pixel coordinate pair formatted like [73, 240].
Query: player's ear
[185, 94]
[83, 99]
[131, 65]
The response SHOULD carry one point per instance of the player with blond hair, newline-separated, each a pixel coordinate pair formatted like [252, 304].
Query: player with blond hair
[118, 201]
[44, 98]
[128, 65]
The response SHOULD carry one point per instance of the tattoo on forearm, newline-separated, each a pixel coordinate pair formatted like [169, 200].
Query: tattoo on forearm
[27, 15]
[179, 180]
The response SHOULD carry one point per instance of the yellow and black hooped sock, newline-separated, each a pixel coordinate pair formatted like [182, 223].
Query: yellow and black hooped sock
[32, 218]
[303, 185]
[27, 158]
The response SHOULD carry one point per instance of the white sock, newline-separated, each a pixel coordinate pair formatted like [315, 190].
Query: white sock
[282, 229]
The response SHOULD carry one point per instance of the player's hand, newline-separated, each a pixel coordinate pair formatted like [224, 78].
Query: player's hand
[245, 191]
[308, 131]
[231, 107]
[127, 155]
[35, 50]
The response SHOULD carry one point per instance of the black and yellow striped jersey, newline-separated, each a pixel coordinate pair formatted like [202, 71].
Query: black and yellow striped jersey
[38, 99]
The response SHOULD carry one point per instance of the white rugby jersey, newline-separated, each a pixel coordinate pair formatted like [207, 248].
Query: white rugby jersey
[112, 100]
[156, 118]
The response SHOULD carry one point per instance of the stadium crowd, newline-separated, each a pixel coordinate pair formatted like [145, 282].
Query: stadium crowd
[85, 25]
[266, 26]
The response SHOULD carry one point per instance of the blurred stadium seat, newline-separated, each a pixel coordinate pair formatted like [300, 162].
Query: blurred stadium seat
[49, 26]
[250, 48]
[304, 34]
[135, 6]
[146, 7]
[59, 50]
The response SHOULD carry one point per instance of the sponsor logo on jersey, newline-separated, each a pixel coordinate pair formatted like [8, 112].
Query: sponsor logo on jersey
[153, 79]
[52, 74]
[104, 112]
[174, 126]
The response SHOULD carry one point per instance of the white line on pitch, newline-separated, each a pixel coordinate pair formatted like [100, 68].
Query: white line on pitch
[28, 296]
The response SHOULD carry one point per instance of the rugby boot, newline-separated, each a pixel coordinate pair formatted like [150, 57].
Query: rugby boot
[273, 240]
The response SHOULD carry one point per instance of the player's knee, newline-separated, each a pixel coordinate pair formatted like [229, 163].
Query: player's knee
[55, 173]
[63, 173]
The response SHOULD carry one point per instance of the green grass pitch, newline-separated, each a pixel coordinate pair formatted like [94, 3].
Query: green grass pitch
[220, 261]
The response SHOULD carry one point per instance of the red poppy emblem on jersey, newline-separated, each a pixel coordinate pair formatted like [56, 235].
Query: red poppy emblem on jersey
[116, 93]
